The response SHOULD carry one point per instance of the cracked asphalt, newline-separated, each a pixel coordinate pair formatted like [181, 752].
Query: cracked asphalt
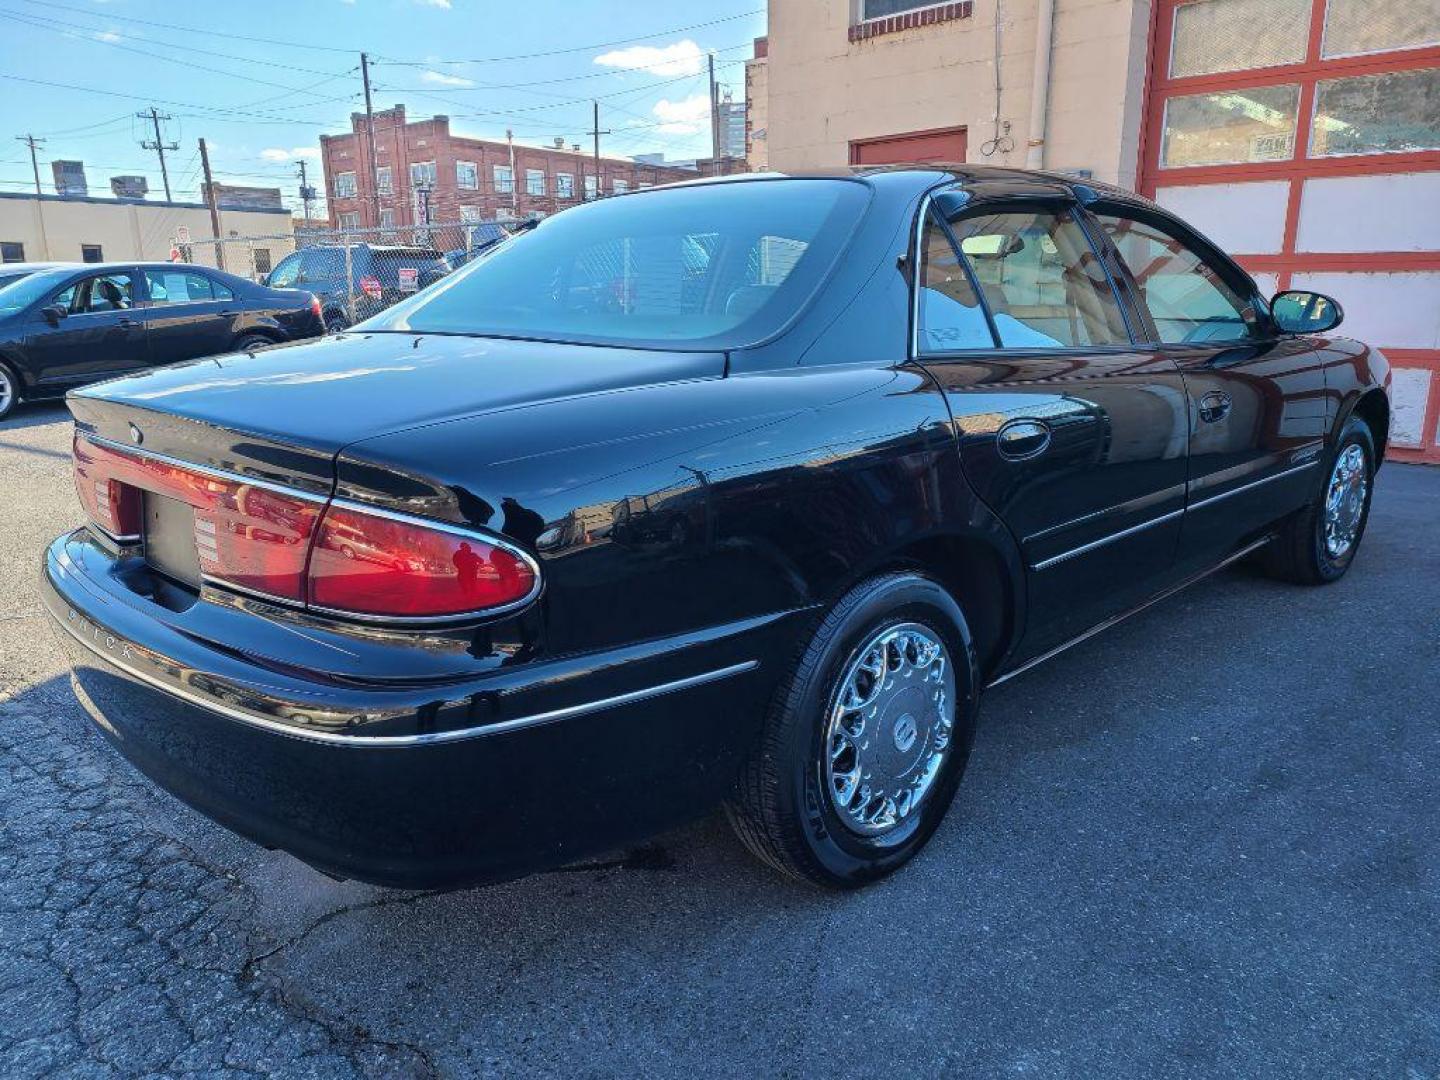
[1203, 844]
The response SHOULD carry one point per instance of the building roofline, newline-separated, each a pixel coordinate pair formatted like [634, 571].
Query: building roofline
[161, 203]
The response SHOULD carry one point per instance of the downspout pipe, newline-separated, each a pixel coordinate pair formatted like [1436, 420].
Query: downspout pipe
[1040, 84]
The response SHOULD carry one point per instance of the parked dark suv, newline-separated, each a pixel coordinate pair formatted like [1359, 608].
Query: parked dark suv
[380, 275]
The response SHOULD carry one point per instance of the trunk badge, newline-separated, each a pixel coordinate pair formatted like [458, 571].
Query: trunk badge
[136, 435]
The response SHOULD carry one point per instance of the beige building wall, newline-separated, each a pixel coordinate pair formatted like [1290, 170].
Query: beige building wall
[825, 90]
[52, 228]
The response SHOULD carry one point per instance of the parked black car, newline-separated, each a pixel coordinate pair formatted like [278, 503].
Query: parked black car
[75, 324]
[393, 601]
[380, 275]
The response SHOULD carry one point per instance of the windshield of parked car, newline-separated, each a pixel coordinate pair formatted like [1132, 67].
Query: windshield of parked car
[712, 266]
[21, 294]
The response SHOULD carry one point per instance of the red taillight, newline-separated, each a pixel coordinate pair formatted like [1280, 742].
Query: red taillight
[294, 547]
[246, 534]
[372, 565]
[370, 286]
[315, 305]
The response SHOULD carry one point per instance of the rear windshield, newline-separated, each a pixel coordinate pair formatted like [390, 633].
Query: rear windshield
[713, 266]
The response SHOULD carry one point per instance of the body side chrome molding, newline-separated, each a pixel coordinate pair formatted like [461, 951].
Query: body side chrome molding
[1045, 564]
[388, 742]
[1199, 504]
[1102, 626]
[1211, 499]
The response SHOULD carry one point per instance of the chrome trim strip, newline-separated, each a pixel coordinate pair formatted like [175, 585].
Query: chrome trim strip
[1045, 564]
[387, 742]
[1209, 499]
[1105, 625]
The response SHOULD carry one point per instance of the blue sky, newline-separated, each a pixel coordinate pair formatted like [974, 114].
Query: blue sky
[260, 81]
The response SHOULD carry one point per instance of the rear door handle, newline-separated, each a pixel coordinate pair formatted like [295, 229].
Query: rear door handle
[1022, 439]
[124, 322]
[1214, 406]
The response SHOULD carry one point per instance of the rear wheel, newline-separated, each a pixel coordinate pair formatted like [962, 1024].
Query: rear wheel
[336, 321]
[9, 391]
[862, 751]
[252, 341]
[1318, 544]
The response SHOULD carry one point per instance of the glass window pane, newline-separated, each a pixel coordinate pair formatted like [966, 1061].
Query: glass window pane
[1041, 280]
[950, 314]
[878, 9]
[1235, 35]
[1188, 301]
[716, 266]
[1364, 26]
[1230, 126]
[1377, 114]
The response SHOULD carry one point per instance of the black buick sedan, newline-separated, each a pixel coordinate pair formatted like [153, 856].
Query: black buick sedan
[65, 325]
[732, 493]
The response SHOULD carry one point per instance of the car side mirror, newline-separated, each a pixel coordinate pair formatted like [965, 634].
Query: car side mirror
[1299, 312]
[54, 313]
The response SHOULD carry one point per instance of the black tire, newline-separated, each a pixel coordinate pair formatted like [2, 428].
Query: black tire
[782, 808]
[249, 342]
[1300, 553]
[336, 322]
[9, 390]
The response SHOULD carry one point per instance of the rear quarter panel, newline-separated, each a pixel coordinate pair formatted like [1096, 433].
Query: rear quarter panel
[675, 507]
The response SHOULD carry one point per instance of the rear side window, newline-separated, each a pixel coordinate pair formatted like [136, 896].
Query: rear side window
[710, 266]
[1188, 300]
[1033, 272]
[184, 287]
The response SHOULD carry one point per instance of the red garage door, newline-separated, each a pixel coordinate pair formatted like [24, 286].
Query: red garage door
[942, 144]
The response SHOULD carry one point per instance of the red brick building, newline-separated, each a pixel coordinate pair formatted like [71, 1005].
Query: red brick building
[460, 178]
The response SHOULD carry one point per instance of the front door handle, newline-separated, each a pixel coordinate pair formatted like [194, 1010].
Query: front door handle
[124, 322]
[1214, 406]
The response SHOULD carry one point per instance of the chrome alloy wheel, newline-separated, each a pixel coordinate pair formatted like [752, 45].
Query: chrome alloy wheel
[7, 391]
[1345, 501]
[889, 725]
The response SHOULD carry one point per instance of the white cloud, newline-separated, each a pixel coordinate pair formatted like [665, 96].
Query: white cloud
[685, 117]
[278, 154]
[434, 3]
[682, 58]
[109, 36]
[439, 78]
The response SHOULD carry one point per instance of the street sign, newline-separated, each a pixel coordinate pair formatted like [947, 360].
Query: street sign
[409, 279]
[182, 235]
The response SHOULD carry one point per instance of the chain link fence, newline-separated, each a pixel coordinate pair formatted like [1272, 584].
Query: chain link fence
[354, 272]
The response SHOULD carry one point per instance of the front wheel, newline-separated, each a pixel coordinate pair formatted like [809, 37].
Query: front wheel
[1318, 544]
[862, 750]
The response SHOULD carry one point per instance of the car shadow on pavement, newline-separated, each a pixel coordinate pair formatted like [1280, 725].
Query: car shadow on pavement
[34, 414]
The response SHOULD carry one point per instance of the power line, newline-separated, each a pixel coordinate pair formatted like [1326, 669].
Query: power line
[227, 115]
[62, 28]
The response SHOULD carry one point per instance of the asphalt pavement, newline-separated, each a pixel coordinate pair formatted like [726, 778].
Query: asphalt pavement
[1202, 844]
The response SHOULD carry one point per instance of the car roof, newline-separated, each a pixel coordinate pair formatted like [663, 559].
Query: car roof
[35, 267]
[922, 176]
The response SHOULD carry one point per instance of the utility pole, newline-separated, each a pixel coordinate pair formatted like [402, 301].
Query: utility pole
[714, 121]
[213, 201]
[514, 180]
[305, 191]
[32, 142]
[370, 139]
[159, 145]
[596, 132]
